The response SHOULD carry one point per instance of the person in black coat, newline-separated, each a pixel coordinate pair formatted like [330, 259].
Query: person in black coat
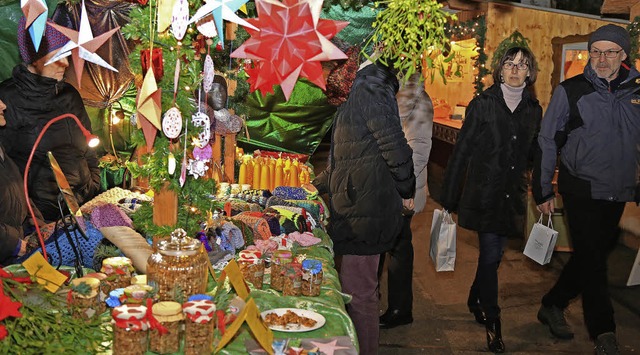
[14, 213]
[368, 178]
[35, 94]
[486, 178]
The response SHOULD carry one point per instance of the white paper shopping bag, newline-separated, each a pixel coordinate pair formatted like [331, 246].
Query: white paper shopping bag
[634, 276]
[442, 248]
[541, 242]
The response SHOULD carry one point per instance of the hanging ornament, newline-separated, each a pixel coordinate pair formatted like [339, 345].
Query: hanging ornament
[171, 163]
[183, 170]
[156, 62]
[35, 13]
[180, 19]
[165, 10]
[208, 73]
[200, 119]
[204, 153]
[82, 45]
[222, 9]
[207, 27]
[172, 123]
[197, 168]
[219, 46]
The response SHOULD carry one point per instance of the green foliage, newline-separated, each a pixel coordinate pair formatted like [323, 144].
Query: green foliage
[515, 40]
[478, 28]
[406, 31]
[194, 200]
[346, 4]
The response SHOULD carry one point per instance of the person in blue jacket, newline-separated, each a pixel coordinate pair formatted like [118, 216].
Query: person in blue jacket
[593, 121]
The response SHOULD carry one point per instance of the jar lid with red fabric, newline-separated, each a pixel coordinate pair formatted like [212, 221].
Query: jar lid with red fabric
[130, 316]
[200, 311]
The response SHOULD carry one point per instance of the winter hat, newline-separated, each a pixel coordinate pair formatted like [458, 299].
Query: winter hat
[51, 40]
[613, 33]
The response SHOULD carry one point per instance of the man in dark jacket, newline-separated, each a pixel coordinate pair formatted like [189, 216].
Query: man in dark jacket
[369, 174]
[35, 94]
[593, 119]
[14, 212]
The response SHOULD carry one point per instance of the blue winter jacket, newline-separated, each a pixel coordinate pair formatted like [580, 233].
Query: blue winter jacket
[600, 157]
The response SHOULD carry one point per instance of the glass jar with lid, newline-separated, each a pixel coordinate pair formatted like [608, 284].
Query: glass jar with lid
[311, 277]
[279, 260]
[130, 329]
[178, 268]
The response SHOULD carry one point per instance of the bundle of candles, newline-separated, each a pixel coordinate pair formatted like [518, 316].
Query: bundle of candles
[268, 173]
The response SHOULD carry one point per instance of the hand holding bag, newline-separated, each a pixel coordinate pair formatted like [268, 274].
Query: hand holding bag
[541, 242]
[443, 241]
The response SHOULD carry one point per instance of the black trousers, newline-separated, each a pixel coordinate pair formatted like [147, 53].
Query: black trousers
[485, 285]
[400, 271]
[593, 225]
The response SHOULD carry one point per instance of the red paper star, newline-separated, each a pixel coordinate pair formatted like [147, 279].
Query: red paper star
[329, 348]
[3, 332]
[292, 42]
[8, 308]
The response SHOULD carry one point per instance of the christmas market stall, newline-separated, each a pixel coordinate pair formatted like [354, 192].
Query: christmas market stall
[207, 235]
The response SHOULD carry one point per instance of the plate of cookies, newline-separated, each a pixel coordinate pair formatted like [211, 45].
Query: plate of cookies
[292, 319]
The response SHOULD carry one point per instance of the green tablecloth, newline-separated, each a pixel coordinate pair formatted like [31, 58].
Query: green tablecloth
[330, 303]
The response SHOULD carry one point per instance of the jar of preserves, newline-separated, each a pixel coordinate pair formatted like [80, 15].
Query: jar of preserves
[103, 290]
[292, 279]
[199, 325]
[118, 270]
[279, 260]
[311, 277]
[137, 294]
[252, 266]
[84, 300]
[178, 268]
[130, 329]
[169, 314]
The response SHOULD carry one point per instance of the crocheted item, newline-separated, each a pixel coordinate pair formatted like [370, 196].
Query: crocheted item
[258, 225]
[60, 250]
[234, 234]
[290, 193]
[109, 215]
[247, 232]
[125, 199]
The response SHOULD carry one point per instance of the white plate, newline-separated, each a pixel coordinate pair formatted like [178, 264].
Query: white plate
[295, 328]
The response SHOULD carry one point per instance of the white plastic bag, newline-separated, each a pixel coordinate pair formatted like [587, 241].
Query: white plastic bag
[541, 242]
[443, 241]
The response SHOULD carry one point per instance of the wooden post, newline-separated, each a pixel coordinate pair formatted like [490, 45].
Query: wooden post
[229, 157]
[165, 206]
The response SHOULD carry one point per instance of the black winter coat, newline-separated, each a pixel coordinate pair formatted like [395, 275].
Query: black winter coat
[486, 178]
[370, 169]
[32, 100]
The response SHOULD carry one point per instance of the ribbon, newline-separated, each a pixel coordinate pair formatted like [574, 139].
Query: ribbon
[153, 322]
[221, 325]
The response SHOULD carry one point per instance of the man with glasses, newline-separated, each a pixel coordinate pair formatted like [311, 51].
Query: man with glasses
[593, 122]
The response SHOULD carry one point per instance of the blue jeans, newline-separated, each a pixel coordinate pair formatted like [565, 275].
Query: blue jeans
[485, 285]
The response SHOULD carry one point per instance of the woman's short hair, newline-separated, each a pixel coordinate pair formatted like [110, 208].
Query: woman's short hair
[510, 54]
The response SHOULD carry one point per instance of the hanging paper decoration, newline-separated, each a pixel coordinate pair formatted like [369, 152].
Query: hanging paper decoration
[204, 153]
[208, 73]
[222, 9]
[171, 163]
[180, 18]
[149, 108]
[172, 123]
[197, 168]
[82, 45]
[35, 13]
[284, 53]
[165, 10]
[206, 26]
[156, 62]
[200, 119]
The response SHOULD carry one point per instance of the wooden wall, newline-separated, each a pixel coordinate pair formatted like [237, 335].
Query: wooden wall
[547, 30]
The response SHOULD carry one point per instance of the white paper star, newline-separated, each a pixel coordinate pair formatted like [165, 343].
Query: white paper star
[82, 45]
[222, 9]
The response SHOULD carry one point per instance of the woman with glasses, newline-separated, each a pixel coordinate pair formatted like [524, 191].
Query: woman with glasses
[486, 178]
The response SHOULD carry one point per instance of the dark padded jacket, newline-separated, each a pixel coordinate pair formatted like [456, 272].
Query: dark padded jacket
[599, 159]
[486, 177]
[32, 100]
[370, 169]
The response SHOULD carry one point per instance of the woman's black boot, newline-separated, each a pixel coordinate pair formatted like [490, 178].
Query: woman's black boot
[474, 307]
[494, 335]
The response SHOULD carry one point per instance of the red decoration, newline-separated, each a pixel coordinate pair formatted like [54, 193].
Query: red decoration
[293, 41]
[8, 308]
[156, 62]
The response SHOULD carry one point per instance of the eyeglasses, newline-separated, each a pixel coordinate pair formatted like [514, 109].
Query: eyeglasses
[520, 66]
[610, 53]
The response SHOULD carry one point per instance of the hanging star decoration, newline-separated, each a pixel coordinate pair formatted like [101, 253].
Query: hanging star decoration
[292, 42]
[222, 9]
[35, 12]
[328, 348]
[82, 45]
[149, 108]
